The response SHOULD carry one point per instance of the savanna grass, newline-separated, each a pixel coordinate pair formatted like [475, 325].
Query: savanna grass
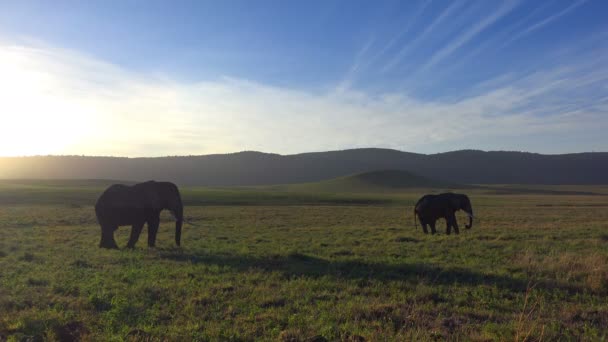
[533, 267]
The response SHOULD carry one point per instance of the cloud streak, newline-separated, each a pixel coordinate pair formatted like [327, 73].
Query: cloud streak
[61, 102]
[406, 29]
[506, 8]
[544, 22]
[423, 35]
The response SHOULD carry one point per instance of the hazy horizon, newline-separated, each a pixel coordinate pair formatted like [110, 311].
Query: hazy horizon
[213, 78]
[287, 154]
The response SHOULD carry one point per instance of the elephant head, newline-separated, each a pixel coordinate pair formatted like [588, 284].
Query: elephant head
[170, 199]
[462, 202]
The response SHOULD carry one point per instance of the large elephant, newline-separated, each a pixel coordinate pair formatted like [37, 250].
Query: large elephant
[122, 205]
[430, 208]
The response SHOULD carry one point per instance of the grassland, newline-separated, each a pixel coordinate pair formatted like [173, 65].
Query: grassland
[280, 264]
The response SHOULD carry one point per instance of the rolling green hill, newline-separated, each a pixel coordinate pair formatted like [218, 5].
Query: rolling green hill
[376, 182]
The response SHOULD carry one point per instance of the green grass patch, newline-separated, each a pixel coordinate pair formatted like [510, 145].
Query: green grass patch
[283, 266]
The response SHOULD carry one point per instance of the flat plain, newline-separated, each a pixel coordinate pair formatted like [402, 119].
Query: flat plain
[295, 265]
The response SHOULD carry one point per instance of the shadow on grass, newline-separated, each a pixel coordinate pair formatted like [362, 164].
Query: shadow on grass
[297, 265]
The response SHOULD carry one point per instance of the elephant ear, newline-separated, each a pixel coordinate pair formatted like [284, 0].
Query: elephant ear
[465, 199]
[153, 199]
[455, 203]
[148, 196]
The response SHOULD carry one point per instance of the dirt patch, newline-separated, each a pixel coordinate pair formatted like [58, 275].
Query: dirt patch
[352, 338]
[273, 303]
[223, 289]
[595, 318]
[406, 239]
[139, 335]
[81, 264]
[290, 336]
[34, 338]
[452, 324]
[485, 237]
[72, 331]
[37, 282]
[29, 257]
[378, 312]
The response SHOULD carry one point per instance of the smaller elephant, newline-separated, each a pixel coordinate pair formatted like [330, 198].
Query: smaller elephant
[122, 205]
[430, 208]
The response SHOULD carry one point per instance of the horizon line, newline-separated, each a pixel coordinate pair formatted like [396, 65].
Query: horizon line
[294, 154]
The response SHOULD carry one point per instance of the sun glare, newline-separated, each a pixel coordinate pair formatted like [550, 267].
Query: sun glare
[37, 116]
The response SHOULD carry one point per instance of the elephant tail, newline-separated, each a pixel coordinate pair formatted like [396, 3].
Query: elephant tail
[415, 214]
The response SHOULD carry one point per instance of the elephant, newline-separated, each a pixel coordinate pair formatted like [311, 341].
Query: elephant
[136, 205]
[430, 208]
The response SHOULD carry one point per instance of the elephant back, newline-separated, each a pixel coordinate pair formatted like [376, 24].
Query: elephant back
[138, 196]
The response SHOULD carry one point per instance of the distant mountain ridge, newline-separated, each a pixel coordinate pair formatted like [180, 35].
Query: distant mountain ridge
[257, 168]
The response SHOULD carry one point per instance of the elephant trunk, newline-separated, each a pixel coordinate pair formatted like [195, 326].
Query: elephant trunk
[178, 232]
[470, 224]
[179, 220]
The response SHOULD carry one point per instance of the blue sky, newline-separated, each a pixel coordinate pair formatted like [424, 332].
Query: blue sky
[200, 77]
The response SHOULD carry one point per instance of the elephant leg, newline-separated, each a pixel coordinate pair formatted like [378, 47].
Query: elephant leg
[448, 227]
[432, 224]
[152, 230]
[453, 223]
[135, 231]
[423, 224]
[107, 237]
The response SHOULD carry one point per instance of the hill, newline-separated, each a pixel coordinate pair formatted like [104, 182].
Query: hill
[375, 182]
[256, 168]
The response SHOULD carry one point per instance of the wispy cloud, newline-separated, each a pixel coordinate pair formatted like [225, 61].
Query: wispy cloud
[61, 102]
[409, 23]
[465, 37]
[423, 35]
[544, 22]
[357, 64]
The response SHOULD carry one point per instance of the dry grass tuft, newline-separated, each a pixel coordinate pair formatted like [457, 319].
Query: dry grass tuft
[589, 271]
